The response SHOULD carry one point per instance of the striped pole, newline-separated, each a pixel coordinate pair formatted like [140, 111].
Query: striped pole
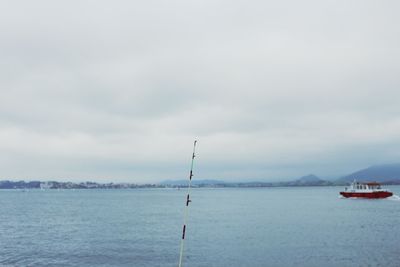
[187, 205]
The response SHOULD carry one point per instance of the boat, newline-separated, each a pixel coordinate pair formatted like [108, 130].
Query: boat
[366, 190]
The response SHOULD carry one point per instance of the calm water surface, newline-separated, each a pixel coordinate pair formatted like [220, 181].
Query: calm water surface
[285, 227]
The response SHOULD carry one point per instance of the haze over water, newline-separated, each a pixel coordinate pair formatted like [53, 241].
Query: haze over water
[308, 226]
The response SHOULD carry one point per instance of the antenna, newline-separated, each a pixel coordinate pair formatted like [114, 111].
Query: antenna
[187, 205]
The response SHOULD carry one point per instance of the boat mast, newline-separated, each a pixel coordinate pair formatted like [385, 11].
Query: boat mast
[187, 205]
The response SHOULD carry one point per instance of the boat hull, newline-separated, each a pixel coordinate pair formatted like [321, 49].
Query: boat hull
[380, 194]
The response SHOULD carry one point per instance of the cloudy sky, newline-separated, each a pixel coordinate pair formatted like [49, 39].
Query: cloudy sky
[273, 90]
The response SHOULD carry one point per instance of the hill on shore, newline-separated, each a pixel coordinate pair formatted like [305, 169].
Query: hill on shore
[310, 179]
[194, 182]
[388, 173]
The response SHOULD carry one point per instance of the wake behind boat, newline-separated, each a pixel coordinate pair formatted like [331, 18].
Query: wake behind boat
[366, 190]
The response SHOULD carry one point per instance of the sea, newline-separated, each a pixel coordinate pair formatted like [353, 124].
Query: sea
[227, 227]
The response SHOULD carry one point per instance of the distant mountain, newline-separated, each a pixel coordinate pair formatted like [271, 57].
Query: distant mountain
[308, 180]
[194, 182]
[388, 173]
[311, 178]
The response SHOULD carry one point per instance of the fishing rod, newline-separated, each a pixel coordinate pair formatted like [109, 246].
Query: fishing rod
[187, 205]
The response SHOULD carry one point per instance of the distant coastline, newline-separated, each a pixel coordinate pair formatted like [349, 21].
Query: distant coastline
[6, 184]
[388, 174]
[48, 185]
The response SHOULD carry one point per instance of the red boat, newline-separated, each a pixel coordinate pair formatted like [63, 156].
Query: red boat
[366, 190]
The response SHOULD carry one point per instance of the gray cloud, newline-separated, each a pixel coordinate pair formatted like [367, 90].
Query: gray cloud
[118, 91]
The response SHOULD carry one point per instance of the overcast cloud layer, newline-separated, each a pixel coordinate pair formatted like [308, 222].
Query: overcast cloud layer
[118, 90]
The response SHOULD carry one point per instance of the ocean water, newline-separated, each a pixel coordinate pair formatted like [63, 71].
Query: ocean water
[309, 226]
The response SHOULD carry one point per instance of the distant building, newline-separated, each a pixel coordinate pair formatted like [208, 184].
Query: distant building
[45, 185]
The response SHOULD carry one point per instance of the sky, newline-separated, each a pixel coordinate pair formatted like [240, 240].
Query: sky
[272, 90]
